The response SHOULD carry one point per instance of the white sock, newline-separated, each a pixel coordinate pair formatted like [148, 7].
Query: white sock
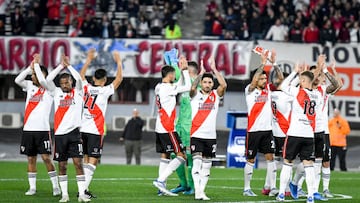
[248, 171]
[317, 170]
[326, 178]
[63, 181]
[299, 173]
[196, 169]
[32, 180]
[162, 165]
[271, 170]
[89, 170]
[80, 180]
[205, 173]
[310, 179]
[54, 179]
[173, 165]
[285, 176]
[267, 180]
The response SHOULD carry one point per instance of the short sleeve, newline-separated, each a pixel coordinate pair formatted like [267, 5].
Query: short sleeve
[109, 90]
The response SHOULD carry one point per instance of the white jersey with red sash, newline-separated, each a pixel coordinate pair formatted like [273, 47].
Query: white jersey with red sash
[258, 103]
[320, 120]
[95, 104]
[37, 108]
[68, 109]
[281, 111]
[166, 102]
[303, 115]
[204, 109]
[325, 108]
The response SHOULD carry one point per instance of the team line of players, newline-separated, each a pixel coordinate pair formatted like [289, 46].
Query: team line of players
[289, 118]
[79, 121]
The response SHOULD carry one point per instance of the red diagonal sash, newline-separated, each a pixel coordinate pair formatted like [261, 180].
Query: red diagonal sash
[95, 111]
[60, 112]
[32, 104]
[283, 122]
[256, 110]
[303, 99]
[202, 113]
[167, 121]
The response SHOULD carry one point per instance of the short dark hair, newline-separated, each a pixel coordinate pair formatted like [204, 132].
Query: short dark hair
[252, 73]
[312, 67]
[285, 74]
[44, 70]
[207, 75]
[193, 64]
[308, 74]
[100, 73]
[65, 75]
[165, 70]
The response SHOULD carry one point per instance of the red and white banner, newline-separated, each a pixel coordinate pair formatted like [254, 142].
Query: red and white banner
[347, 57]
[141, 58]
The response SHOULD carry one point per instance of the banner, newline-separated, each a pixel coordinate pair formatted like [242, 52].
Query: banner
[347, 57]
[141, 58]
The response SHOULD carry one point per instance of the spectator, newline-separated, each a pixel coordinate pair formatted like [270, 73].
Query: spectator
[132, 138]
[119, 5]
[53, 11]
[132, 8]
[89, 27]
[89, 9]
[104, 6]
[344, 34]
[143, 29]
[267, 20]
[156, 18]
[73, 30]
[106, 27]
[71, 13]
[212, 7]
[339, 129]
[173, 31]
[17, 21]
[39, 13]
[327, 34]
[30, 23]
[2, 27]
[208, 23]
[229, 35]
[311, 33]
[130, 32]
[337, 21]
[295, 33]
[3, 8]
[91, 3]
[218, 24]
[355, 33]
[255, 26]
[116, 31]
[277, 32]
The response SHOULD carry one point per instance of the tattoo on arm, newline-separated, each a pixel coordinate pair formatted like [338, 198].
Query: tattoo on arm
[334, 83]
[194, 86]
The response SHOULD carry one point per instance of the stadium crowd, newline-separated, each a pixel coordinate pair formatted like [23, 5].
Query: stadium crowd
[301, 21]
[28, 17]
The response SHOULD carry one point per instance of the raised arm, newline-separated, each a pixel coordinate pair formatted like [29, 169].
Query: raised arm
[20, 79]
[184, 83]
[89, 58]
[195, 83]
[119, 77]
[50, 78]
[277, 70]
[284, 86]
[259, 70]
[222, 83]
[76, 75]
[40, 76]
[335, 80]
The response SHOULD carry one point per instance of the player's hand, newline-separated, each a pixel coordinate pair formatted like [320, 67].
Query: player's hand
[36, 58]
[321, 60]
[91, 55]
[202, 68]
[263, 57]
[117, 57]
[183, 63]
[212, 64]
[66, 61]
[273, 56]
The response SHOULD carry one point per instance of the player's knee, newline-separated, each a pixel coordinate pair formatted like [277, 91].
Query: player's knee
[252, 161]
[269, 157]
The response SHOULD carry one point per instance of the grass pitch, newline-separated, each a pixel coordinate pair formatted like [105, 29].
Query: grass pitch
[132, 184]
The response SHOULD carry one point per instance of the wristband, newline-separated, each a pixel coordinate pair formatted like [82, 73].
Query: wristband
[274, 64]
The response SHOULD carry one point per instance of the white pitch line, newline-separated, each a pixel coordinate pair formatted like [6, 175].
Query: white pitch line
[340, 197]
